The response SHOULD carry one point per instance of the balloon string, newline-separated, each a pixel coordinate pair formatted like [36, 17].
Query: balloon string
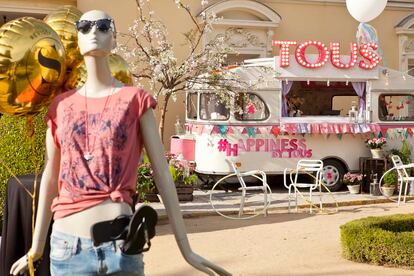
[15, 177]
[36, 165]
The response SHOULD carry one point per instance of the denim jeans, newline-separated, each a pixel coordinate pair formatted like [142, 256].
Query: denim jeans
[71, 255]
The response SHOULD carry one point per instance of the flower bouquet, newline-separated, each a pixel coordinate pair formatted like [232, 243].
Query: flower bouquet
[376, 143]
[353, 182]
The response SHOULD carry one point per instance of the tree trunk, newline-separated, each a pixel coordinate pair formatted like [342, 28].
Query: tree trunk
[162, 119]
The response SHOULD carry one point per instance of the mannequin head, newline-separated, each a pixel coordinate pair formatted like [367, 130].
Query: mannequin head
[96, 33]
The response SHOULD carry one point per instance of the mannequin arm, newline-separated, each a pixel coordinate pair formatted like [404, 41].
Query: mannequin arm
[48, 191]
[166, 187]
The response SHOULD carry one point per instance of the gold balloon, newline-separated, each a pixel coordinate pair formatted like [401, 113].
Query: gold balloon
[32, 66]
[118, 66]
[63, 22]
[120, 69]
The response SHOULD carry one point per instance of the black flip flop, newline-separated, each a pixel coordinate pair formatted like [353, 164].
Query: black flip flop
[110, 230]
[141, 229]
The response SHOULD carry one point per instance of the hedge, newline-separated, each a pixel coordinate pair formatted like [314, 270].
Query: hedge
[16, 148]
[387, 240]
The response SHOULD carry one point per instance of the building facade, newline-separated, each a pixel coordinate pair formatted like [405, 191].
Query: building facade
[252, 26]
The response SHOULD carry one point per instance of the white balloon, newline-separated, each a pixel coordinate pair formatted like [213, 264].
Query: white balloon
[365, 10]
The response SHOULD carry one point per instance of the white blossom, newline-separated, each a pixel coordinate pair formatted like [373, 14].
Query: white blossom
[153, 61]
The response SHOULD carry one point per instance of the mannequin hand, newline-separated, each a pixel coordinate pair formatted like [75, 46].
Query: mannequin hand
[21, 265]
[205, 265]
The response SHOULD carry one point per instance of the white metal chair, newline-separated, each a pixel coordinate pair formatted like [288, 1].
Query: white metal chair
[260, 175]
[404, 179]
[304, 166]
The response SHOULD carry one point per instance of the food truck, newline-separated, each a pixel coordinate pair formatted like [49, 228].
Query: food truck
[305, 106]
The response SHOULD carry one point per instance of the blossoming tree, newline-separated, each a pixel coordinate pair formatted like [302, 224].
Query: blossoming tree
[153, 60]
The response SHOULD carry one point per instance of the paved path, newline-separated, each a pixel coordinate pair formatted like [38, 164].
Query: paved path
[297, 244]
[228, 202]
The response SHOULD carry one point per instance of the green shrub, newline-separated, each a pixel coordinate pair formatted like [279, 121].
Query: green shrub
[387, 240]
[16, 148]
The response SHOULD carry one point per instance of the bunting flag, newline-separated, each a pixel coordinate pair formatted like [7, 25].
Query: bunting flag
[223, 129]
[198, 129]
[208, 129]
[215, 130]
[326, 129]
[275, 131]
[251, 131]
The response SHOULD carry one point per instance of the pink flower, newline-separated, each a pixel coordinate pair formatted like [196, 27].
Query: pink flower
[352, 178]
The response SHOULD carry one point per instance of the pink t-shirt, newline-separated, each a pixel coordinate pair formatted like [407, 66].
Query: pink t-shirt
[114, 142]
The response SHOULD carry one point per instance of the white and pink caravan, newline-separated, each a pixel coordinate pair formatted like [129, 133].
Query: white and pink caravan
[315, 106]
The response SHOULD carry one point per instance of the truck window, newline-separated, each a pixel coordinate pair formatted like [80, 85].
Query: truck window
[192, 103]
[250, 107]
[396, 107]
[213, 108]
[343, 104]
[320, 98]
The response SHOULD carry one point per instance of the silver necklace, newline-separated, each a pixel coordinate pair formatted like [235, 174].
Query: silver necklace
[88, 155]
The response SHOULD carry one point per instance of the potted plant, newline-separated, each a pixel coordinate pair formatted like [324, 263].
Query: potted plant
[353, 181]
[183, 175]
[390, 182]
[375, 145]
[146, 189]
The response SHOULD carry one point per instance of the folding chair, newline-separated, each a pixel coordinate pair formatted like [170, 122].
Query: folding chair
[304, 166]
[404, 179]
[260, 175]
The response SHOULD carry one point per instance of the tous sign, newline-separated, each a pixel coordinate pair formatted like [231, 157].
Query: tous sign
[370, 58]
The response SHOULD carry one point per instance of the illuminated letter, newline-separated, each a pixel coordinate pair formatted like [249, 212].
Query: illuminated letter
[336, 57]
[284, 51]
[323, 54]
[371, 56]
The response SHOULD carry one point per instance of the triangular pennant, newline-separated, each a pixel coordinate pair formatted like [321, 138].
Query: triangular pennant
[230, 130]
[208, 129]
[222, 129]
[215, 130]
[251, 131]
[275, 131]
[339, 135]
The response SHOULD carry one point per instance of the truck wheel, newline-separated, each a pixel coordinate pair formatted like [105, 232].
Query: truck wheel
[333, 172]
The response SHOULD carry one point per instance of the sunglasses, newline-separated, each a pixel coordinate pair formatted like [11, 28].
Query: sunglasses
[103, 25]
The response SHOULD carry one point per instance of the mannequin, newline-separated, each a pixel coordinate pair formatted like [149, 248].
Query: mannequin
[95, 45]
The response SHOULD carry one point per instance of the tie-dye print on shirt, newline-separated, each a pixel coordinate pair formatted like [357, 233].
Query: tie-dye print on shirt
[114, 142]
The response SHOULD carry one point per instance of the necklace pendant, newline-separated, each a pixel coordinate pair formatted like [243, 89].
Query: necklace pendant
[88, 157]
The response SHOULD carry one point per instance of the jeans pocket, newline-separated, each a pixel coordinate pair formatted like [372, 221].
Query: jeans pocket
[60, 249]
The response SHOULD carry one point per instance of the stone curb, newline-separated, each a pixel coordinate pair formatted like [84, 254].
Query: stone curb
[163, 219]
